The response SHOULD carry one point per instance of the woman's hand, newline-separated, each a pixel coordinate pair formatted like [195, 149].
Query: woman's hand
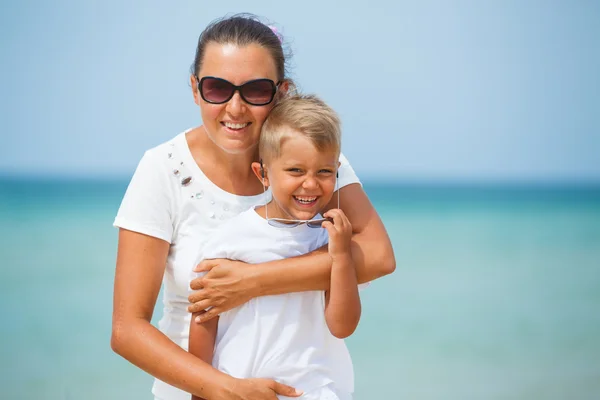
[226, 285]
[258, 389]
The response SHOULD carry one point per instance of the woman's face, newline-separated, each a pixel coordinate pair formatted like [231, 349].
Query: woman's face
[234, 126]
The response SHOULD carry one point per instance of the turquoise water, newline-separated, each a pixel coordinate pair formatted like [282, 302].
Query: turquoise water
[496, 295]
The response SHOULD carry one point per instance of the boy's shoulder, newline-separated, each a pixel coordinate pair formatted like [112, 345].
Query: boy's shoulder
[244, 222]
[233, 235]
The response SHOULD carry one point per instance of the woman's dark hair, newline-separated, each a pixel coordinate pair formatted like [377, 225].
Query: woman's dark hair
[241, 30]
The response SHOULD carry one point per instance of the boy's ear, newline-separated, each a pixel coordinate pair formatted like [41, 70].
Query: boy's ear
[260, 172]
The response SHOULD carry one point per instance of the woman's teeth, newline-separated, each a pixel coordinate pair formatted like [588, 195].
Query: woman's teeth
[235, 126]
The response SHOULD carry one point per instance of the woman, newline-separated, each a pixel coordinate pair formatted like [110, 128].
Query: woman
[185, 188]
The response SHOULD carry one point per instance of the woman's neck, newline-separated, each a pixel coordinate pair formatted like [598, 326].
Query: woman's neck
[231, 172]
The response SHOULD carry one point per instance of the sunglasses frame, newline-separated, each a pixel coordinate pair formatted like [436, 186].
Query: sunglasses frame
[292, 223]
[236, 88]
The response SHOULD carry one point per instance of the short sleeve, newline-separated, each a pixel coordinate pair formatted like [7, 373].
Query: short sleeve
[215, 247]
[346, 174]
[147, 206]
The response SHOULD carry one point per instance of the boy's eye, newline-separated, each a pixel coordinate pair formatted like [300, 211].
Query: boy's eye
[326, 171]
[294, 170]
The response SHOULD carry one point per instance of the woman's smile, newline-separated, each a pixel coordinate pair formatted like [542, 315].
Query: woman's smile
[235, 126]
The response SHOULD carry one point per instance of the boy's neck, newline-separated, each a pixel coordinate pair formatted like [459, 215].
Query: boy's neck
[272, 210]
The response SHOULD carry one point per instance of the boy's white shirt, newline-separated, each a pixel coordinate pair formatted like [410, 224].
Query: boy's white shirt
[283, 337]
[157, 204]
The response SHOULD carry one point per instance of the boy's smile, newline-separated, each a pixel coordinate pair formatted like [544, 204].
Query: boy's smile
[302, 178]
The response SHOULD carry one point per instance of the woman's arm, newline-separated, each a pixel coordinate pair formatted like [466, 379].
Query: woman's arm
[312, 271]
[226, 285]
[141, 263]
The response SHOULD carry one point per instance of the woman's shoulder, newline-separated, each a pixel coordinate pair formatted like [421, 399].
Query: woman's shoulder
[167, 149]
[151, 202]
[162, 158]
[346, 174]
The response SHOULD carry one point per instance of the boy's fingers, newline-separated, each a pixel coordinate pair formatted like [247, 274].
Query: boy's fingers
[337, 219]
[329, 226]
[286, 390]
[330, 213]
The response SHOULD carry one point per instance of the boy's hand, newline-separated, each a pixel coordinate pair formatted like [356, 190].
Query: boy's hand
[340, 233]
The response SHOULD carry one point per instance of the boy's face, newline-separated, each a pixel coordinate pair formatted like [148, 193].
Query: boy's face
[302, 179]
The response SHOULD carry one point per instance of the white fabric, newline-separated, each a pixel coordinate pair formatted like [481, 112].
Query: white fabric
[158, 205]
[329, 392]
[283, 337]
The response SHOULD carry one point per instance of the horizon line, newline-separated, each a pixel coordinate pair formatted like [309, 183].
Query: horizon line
[481, 182]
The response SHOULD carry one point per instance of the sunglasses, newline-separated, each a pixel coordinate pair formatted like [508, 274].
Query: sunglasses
[257, 92]
[291, 223]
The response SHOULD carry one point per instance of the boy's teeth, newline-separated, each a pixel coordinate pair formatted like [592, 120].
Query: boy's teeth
[306, 199]
[235, 126]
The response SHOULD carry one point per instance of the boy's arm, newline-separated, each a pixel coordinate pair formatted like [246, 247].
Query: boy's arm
[202, 340]
[342, 301]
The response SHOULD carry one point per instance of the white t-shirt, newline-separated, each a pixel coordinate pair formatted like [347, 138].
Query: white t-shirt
[160, 202]
[283, 337]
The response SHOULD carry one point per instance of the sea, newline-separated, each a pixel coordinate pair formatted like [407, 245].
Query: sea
[496, 294]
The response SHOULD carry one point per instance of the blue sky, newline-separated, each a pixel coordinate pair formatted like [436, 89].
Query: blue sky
[427, 90]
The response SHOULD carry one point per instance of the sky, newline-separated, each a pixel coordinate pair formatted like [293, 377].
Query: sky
[427, 90]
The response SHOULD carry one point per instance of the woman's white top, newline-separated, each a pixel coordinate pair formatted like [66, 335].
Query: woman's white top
[170, 198]
[283, 337]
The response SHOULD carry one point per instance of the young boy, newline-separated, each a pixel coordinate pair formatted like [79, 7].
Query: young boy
[292, 338]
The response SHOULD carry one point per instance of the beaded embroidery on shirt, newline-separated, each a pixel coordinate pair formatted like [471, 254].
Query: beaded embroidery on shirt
[216, 209]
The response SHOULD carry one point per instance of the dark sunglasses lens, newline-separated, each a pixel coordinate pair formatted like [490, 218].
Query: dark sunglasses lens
[258, 92]
[216, 90]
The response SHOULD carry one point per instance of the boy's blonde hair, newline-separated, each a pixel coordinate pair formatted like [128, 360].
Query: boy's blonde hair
[306, 114]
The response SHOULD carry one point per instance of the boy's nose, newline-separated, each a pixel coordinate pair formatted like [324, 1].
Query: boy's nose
[309, 183]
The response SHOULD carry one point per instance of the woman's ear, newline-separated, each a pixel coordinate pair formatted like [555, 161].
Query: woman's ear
[285, 88]
[260, 172]
[194, 85]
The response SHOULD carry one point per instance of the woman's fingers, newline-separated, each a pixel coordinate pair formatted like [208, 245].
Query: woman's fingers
[196, 284]
[208, 315]
[206, 265]
[199, 291]
[199, 306]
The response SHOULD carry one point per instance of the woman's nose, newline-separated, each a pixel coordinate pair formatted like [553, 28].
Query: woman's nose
[235, 105]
